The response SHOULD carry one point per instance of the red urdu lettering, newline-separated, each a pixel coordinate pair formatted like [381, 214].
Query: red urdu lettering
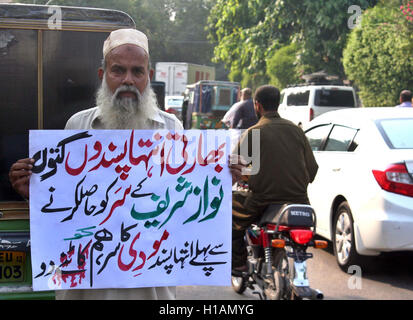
[142, 255]
[72, 276]
[157, 244]
[133, 253]
[117, 204]
[107, 163]
[98, 148]
[77, 171]
[147, 143]
[135, 161]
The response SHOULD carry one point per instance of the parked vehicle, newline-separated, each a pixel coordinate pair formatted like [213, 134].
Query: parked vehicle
[177, 75]
[48, 72]
[302, 103]
[159, 88]
[363, 191]
[208, 101]
[173, 104]
[277, 254]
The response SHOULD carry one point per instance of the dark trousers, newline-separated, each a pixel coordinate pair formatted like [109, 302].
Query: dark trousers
[245, 211]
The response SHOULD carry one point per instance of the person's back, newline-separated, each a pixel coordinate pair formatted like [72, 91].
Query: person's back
[286, 167]
[286, 162]
[244, 115]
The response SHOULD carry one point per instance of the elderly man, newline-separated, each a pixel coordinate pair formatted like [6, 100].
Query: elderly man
[125, 100]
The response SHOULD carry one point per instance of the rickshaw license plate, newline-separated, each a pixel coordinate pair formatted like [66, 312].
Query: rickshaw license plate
[12, 265]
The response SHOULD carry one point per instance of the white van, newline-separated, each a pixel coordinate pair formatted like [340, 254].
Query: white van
[301, 104]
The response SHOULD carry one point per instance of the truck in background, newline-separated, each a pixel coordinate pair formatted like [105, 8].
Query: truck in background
[177, 75]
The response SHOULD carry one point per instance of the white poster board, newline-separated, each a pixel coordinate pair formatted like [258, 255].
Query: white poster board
[128, 209]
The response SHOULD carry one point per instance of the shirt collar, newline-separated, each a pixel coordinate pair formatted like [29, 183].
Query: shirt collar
[271, 115]
[97, 122]
[406, 104]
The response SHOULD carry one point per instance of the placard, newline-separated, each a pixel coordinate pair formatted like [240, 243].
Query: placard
[130, 208]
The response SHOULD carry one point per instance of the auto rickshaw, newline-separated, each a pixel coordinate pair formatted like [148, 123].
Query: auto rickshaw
[207, 103]
[49, 58]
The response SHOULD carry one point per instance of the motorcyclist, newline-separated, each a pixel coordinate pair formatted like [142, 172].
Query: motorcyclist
[286, 167]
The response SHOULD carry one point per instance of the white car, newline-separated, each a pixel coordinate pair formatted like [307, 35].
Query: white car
[363, 191]
[301, 104]
[173, 104]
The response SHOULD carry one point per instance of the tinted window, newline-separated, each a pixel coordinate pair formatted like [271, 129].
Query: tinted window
[398, 133]
[298, 98]
[317, 135]
[334, 98]
[341, 139]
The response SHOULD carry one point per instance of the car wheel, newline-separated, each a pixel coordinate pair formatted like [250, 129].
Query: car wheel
[343, 238]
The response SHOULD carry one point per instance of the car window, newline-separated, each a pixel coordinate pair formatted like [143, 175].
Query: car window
[317, 135]
[298, 98]
[398, 133]
[334, 98]
[175, 102]
[341, 139]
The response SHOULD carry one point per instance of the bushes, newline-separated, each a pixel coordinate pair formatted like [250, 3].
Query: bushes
[379, 56]
[281, 67]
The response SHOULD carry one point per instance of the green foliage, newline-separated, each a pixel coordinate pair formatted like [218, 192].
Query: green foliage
[247, 33]
[379, 56]
[175, 28]
[281, 67]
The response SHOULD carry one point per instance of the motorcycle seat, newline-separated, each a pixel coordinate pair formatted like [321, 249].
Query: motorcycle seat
[289, 215]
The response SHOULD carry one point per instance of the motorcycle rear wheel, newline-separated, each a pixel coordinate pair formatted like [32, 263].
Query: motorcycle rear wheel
[283, 264]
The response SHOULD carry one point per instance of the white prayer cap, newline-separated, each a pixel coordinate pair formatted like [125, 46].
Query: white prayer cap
[125, 36]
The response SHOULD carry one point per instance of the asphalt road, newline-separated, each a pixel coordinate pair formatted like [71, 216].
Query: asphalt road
[387, 277]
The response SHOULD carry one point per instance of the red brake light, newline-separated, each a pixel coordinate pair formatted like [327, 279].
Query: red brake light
[395, 179]
[301, 236]
[311, 114]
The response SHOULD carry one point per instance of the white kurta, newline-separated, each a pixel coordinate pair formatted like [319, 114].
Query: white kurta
[89, 119]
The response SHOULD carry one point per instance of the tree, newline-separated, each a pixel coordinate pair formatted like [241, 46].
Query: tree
[379, 55]
[247, 33]
[281, 67]
[175, 28]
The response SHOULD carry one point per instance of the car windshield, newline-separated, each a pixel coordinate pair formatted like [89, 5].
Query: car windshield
[175, 102]
[398, 133]
[334, 98]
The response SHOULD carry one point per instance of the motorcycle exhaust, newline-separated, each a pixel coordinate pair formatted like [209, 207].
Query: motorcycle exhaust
[308, 293]
[316, 294]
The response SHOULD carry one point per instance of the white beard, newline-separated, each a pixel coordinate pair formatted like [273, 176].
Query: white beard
[126, 113]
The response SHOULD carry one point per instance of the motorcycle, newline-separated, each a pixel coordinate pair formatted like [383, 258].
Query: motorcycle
[277, 254]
